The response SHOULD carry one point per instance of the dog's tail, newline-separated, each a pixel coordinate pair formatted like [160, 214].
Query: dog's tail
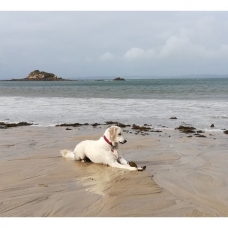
[67, 154]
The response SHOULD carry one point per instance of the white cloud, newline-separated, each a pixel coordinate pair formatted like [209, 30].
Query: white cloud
[106, 57]
[183, 48]
[139, 54]
[176, 47]
[194, 42]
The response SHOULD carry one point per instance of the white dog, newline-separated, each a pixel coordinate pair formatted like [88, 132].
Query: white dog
[103, 151]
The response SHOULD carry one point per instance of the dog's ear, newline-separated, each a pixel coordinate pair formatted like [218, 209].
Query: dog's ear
[112, 132]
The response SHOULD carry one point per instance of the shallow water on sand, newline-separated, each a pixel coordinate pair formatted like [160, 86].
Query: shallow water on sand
[184, 176]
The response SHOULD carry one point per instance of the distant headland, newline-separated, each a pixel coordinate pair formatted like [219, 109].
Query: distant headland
[37, 75]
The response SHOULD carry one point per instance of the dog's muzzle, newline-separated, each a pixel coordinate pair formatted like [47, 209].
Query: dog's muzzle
[123, 141]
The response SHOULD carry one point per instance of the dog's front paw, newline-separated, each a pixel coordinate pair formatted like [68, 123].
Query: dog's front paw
[141, 168]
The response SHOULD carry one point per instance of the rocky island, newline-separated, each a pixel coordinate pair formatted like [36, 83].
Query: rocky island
[37, 75]
[119, 79]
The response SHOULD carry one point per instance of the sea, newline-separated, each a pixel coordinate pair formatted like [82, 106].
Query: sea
[198, 102]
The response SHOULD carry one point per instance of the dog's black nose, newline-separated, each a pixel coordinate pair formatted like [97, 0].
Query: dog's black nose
[123, 141]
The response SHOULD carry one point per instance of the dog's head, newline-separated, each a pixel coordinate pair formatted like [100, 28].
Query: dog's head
[115, 135]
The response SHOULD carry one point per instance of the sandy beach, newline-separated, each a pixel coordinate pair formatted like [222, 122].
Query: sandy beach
[185, 176]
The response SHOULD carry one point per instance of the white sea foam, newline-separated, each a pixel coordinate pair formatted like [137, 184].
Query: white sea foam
[55, 110]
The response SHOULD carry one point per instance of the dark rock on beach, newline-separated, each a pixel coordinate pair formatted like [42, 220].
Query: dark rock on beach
[111, 123]
[95, 124]
[71, 125]
[9, 125]
[123, 125]
[212, 125]
[155, 131]
[186, 130]
[117, 124]
[226, 132]
[200, 132]
[142, 128]
[173, 118]
[201, 136]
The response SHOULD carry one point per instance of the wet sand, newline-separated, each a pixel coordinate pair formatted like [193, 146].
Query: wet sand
[185, 176]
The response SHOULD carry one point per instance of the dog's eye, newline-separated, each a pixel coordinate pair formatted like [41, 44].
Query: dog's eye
[119, 134]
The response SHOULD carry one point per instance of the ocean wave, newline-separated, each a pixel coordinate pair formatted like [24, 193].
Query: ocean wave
[57, 110]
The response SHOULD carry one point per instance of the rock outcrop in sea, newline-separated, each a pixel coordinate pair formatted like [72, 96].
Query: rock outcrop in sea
[119, 79]
[37, 75]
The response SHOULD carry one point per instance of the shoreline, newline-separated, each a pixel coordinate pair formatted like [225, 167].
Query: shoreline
[132, 128]
[184, 176]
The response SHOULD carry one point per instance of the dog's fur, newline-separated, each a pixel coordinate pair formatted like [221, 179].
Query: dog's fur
[100, 151]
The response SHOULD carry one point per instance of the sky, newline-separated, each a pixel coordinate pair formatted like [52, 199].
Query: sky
[108, 44]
